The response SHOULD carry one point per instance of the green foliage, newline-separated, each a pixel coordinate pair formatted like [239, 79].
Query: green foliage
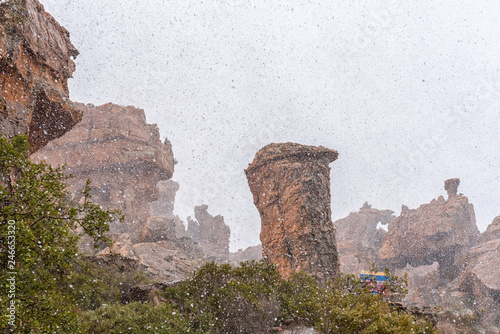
[345, 306]
[253, 298]
[224, 299]
[93, 283]
[34, 196]
[136, 318]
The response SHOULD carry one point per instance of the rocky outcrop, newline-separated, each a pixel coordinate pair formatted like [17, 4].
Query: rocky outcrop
[492, 232]
[125, 159]
[480, 279]
[35, 64]
[210, 232]
[441, 231]
[163, 209]
[451, 186]
[248, 254]
[290, 184]
[167, 260]
[359, 237]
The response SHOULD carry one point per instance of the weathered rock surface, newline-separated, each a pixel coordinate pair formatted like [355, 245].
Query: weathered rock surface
[451, 186]
[359, 238]
[125, 159]
[164, 206]
[290, 184]
[492, 232]
[35, 64]
[210, 232]
[247, 254]
[441, 231]
[164, 260]
[480, 278]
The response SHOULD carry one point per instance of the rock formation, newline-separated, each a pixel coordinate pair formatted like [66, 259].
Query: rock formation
[35, 64]
[441, 231]
[210, 232]
[480, 278]
[359, 238]
[492, 231]
[290, 184]
[163, 209]
[165, 260]
[123, 156]
[247, 254]
[451, 186]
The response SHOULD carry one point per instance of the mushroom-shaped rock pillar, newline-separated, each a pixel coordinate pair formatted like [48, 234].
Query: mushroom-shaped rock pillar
[290, 184]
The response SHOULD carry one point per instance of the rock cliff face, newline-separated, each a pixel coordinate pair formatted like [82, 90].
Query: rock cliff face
[359, 238]
[290, 184]
[441, 231]
[123, 156]
[210, 232]
[35, 64]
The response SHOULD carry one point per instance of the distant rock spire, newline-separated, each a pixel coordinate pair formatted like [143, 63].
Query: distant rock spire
[451, 186]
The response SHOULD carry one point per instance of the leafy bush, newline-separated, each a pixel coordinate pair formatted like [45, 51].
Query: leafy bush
[136, 318]
[38, 241]
[224, 299]
[94, 283]
[253, 298]
[345, 306]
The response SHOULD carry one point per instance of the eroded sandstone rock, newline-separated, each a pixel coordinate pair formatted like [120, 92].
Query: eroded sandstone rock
[163, 260]
[290, 184]
[359, 238]
[124, 158]
[35, 64]
[210, 232]
[441, 231]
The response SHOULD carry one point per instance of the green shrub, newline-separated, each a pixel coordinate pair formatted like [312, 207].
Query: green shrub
[94, 283]
[345, 306]
[43, 246]
[224, 299]
[136, 318]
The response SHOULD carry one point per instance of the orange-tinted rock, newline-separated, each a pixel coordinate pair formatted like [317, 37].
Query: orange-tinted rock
[35, 64]
[124, 158]
[440, 231]
[359, 238]
[210, 232]
[290, 184]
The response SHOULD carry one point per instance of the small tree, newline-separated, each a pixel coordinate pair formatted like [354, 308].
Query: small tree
[38, 240]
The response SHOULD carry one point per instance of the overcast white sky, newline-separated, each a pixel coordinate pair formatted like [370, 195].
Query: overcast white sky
[407, 92]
